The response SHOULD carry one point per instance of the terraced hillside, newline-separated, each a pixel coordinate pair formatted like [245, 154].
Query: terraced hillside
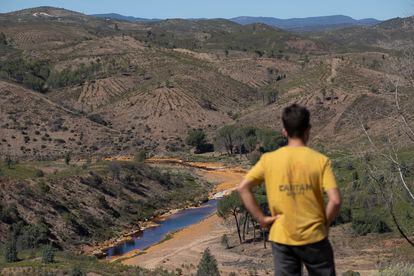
[34, 126]
[338, 89]
[144, 85]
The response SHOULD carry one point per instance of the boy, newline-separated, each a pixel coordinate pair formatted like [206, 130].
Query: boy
[295, 177]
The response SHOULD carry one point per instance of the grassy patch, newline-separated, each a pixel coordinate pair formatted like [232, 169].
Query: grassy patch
[66, 262]
[17, 171]
[398, 270]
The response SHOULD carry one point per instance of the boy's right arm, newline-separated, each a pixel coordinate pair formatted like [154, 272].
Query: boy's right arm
[334, 205]
[334, 196]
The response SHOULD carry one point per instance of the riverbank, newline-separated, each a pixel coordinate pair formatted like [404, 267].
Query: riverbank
[183, 250]
[210, 171]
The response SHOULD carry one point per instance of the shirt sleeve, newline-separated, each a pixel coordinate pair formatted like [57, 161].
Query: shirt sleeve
[328, 177]
[256, 173]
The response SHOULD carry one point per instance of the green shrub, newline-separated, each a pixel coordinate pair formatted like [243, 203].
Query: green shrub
[244, 140]
[69, 76]
[68, 157]
[207, 265]
[76, 271]
[345, 216]
[48, 254]
[9, 214]
[43, 187]
[39, 173]
[3, 39]
[31, 73]
[197, 138]
[97, 119]
[140, 156]
[351, 273]
[10, 251]
[369, 223]
[33, 235]
[225, 241]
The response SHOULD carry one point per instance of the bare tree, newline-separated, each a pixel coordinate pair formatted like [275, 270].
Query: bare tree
[382, 157]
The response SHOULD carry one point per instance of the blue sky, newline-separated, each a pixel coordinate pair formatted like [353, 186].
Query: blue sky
[380, 9]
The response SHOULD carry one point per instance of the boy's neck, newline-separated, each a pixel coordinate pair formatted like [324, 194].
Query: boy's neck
[296, 142]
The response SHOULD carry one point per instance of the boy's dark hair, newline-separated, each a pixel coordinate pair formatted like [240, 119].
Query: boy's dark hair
[296, 120]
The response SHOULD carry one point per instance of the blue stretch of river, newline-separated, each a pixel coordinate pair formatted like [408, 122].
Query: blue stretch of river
[173, 223]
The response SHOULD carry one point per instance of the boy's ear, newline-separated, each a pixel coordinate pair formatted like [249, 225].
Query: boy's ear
[284, 132]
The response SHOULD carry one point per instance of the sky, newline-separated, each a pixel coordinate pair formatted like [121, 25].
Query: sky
[358, 9]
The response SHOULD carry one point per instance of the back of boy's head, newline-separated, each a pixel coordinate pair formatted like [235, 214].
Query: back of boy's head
[296, 120]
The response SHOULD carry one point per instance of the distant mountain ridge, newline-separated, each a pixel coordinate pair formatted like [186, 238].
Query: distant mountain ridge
[318, 23]
[308, 24]
[117, 16]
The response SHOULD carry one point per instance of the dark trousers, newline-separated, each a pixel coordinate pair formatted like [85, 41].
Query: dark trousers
[317, 257]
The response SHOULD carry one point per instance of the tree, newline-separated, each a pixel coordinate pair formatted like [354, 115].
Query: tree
[269, 140]
[225, 136]
[225, 241]
[76, 271]
[140, 156]
[271, 96]
[115, 170]
[48, 254]
[68, 157]
[207, 265]
[196, 138]
[3, 40]
[231, 205]
[10, 250]
[250, 143]
[239, 139]
[9, 161]
[33, 235]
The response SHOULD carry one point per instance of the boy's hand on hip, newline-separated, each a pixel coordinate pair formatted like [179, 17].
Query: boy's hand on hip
[267, 221]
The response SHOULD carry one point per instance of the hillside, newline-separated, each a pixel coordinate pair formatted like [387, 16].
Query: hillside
[393, 34]
[139, 89]
[314, 24]
[131, 87]
[34, 126]
[73, 205]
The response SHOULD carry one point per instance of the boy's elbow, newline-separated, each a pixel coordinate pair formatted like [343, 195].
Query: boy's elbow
[336, 201]
[334, 197]
[242, 187]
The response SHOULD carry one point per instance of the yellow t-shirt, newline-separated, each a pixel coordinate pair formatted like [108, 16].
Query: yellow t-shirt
[295, 179]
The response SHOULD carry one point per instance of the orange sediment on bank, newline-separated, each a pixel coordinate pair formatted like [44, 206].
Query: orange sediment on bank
[186, 245]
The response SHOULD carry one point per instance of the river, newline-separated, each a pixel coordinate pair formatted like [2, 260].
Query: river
[173, 223]
[225, 177]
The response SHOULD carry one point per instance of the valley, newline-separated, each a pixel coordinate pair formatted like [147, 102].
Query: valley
[108, 125]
